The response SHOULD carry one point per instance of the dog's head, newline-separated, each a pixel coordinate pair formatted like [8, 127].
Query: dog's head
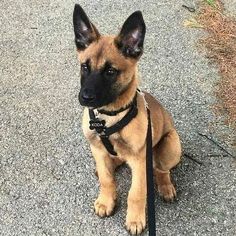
[108, 63]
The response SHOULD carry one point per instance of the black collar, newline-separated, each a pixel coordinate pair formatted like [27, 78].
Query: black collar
[114, 113]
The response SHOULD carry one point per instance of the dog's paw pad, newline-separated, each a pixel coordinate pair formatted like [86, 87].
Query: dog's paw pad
[167, 192]
[135, 227]
[102, 208]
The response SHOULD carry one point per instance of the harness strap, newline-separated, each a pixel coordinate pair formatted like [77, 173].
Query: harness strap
[99, 126]
[123, 122]
[104, 132]
[108, 145]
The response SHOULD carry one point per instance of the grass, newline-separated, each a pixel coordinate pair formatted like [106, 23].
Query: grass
[220, 45]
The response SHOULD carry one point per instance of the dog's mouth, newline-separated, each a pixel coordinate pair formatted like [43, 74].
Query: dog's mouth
[93, 100]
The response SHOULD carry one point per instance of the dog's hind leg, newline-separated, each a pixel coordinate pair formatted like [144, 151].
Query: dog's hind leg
[105, 202]
[167, 154]
[117, 162]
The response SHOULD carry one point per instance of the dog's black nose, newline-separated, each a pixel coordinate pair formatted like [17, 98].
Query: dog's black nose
[88, 95]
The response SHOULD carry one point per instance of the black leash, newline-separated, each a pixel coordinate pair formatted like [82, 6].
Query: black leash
[104, 133]
[150, 182]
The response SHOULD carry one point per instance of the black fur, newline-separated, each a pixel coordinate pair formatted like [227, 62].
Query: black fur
[99, 86]
[85, 32]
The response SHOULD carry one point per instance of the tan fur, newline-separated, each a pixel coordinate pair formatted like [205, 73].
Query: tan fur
[129, 143]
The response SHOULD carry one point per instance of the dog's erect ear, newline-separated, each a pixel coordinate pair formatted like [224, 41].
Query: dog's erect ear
[131, 37]
[85, 32]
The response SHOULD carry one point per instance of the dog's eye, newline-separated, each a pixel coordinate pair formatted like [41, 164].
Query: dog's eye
[111, 71]
[84, 67]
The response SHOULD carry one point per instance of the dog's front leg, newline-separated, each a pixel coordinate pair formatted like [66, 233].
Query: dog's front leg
[105, 202]
[136, 219]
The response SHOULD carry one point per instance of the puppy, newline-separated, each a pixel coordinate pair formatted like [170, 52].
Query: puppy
[109, 83]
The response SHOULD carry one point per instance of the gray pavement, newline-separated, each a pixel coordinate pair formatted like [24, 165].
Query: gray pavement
[47, 181]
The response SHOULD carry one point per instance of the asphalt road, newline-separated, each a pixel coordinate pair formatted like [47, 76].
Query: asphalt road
[47, 181]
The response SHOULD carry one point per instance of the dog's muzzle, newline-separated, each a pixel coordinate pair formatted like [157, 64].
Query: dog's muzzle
[87, 97]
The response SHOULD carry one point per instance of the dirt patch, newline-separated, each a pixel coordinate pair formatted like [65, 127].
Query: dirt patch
[221, 48]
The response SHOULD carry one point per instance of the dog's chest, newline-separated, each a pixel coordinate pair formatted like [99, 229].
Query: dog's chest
[118, 140]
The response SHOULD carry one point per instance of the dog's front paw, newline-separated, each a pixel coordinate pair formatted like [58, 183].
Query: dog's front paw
[135, 224]
[167, 191]
[104, 206]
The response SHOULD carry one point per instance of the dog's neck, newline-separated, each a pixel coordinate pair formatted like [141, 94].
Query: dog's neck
[125, 98]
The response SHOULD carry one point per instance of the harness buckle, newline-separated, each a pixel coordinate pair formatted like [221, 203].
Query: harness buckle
[103, 134]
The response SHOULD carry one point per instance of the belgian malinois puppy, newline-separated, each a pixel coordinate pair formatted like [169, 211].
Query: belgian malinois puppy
[109, 82]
